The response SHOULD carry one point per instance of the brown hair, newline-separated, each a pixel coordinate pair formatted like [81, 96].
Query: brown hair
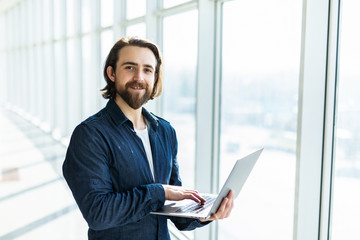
[112, 58]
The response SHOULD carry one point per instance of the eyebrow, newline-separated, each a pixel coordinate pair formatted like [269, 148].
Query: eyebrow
[135, 64]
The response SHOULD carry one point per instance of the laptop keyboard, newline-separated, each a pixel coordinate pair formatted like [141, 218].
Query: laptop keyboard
[197, 207]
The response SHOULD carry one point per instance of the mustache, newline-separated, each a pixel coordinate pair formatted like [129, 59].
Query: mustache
[135, 84]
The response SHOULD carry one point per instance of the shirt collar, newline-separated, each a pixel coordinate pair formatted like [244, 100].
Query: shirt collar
[119, 117]
[151, 118]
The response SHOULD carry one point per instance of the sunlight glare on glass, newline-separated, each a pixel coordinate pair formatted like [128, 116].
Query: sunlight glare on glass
[85, 15]
[346, 191]
[135, 8]
[107, 12]
[136, 30]
[172, 3]
[107, 41]
[259, 98]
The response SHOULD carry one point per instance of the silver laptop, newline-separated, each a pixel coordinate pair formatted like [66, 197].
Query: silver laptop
[235, 181]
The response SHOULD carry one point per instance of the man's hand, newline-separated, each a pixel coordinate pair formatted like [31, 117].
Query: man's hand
[224, 210]
[177, 193]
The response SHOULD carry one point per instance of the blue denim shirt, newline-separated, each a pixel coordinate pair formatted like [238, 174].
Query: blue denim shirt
[109, 175]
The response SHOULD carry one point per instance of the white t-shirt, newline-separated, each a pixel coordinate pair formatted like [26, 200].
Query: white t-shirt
[144, 136]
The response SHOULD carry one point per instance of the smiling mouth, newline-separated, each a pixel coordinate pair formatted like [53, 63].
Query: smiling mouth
[136, 86]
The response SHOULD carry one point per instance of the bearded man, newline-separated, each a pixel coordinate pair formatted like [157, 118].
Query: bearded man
[121, 162]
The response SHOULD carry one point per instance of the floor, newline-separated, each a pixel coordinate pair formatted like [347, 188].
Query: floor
[35, 202]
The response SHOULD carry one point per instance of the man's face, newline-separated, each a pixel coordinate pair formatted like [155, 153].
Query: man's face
[135, 75]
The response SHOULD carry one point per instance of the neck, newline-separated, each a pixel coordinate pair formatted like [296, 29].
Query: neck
[134, 115]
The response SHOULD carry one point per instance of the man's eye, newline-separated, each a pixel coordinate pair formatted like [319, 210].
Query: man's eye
[129, 67]
[148, 70]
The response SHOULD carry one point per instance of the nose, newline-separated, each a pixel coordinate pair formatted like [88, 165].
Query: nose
[138, 75]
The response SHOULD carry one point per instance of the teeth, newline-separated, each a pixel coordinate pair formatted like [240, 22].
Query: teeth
[137, 87]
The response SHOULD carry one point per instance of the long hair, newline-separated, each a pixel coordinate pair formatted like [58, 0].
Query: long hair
[112, 58]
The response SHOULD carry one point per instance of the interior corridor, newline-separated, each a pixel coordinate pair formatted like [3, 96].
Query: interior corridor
[31, 180]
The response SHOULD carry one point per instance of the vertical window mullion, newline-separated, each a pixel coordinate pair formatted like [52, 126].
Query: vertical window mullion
[311, 119]
[329, 123]
[206, 113]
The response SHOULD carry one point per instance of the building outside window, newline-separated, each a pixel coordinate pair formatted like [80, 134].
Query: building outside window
[259, 98]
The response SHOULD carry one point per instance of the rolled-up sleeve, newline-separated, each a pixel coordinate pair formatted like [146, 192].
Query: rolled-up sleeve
[86, 170]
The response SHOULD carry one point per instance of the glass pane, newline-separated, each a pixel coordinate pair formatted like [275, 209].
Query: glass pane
[135, 8]
[48, 85]
[58, 19]
[70, 17]
[46, 14]
[86, 15]
[74, 85]
[3, 62]
[38, 79]
[107, 12]
[107, 42]
[180, 56]
[60, 86]
[17, 32]
[138, 30]
[172, 3]
[346, 198]
[36, 8]
[90, 92]
[260, 72]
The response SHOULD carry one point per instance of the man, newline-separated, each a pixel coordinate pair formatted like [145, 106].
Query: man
[121, 162]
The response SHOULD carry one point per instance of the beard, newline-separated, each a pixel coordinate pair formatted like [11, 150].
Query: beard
[135, 100]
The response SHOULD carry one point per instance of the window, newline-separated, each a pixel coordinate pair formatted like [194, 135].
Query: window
[259, 96]
[70, 17]
[73, 89]
[138, 30]
[107, 41]
[180, 56]
[58, 18]
[172, 3]
[3, 62]
[346, 191]
[86, 16]
[107, 13]
[48, 73]
[47, 25]
[60, 86]
[90, 89]
[135, 8]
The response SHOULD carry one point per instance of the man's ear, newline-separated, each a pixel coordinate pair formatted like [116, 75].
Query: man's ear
[110, 73]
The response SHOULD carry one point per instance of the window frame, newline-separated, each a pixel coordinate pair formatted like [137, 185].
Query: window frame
[320, 36]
